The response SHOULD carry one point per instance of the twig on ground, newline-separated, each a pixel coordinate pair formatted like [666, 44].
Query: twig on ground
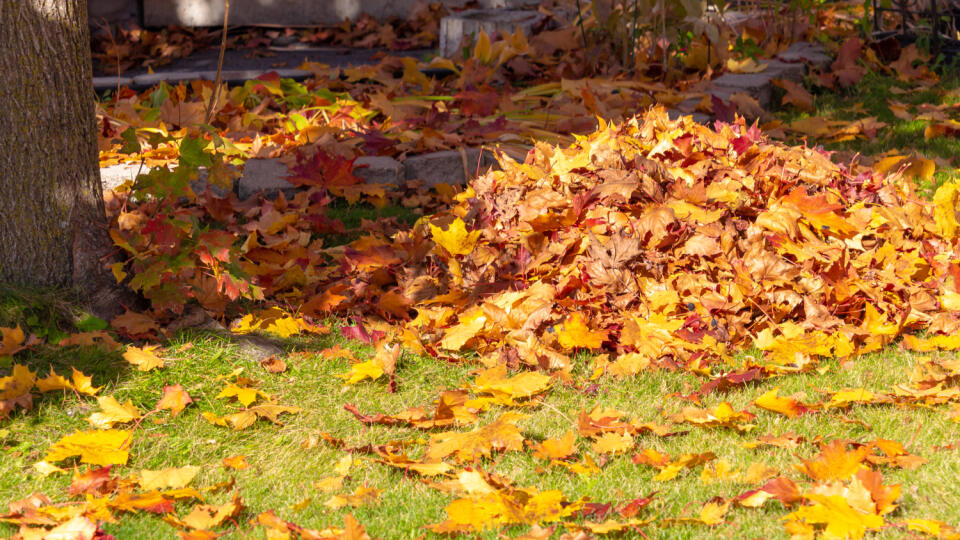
[223, 49]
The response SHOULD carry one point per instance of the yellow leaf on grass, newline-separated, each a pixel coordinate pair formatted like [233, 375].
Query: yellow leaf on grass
[13, 339]
[83, 383]
[561, 448]
[80, 383]
[112, 412]
[53, 382]
[245, 395]
[502, 434]
[236, 462]
[18, 383]
[574, 333]
[107, 447]
[712, 513]
[329, 484]
[173, 477]
[629, 364]
[207, 516]
[342, 468]
[613, 443]
[145, 359]
[361, 496]
[523, 385]
[371, 369]
[455, 238]
[934, 343]
[175, 398]
[841, 520]
[46, 469]
[273, 320]
[786, 406]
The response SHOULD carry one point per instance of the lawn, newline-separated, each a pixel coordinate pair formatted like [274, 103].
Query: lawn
[286, 461]
[319, 462]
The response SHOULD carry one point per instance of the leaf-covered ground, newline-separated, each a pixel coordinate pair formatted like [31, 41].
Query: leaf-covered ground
[654, 328]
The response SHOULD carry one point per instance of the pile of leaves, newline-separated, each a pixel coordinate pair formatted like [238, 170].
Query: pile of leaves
[672, 245]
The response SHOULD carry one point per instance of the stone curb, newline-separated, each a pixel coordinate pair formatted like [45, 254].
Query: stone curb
[791, 64]
[232, 77]
[267, 176]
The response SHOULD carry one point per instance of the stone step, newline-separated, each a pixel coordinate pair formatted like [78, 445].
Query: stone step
[468, 24]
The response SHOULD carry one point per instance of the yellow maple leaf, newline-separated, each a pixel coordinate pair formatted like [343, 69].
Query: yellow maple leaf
[455, 238]
[272, 411]
[53, 382]
[613, 443]
[553, 449]
[786, 406]
[207, 516]
[371, 369]
[171, 477]
[470, 323]
[84, 383]
[238, 462]
[946, 200]
[842, 521]
[574, 333]
[245, 395]
[113, 413]
[18, 383]
[273, 320]
[361, 496]
[523, 385]
[145, 359]
[329, 484]
[12, 342]
[501, 434]
[174, 398]
[107, 447]
[712, 513]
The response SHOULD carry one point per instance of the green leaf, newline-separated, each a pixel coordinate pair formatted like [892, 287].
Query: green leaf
[92, 324]
[131, 145]
[192, 154]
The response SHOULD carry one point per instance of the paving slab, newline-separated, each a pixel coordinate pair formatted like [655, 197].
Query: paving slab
[806, 52]
[786, 70]
[265, 176]
[379, 169]
[454, 28]
[448, 166]
[114, 176]
[172, 77]
[755, 85]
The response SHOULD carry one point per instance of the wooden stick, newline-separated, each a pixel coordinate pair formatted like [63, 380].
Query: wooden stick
[223, 49]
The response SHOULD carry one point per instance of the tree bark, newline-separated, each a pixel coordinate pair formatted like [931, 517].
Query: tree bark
[53, 229]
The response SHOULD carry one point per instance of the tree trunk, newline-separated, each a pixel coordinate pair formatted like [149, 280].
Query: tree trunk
[53, 229]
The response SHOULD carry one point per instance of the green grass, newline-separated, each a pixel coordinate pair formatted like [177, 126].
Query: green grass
[352, 216]
[282, 471]
[871, 97]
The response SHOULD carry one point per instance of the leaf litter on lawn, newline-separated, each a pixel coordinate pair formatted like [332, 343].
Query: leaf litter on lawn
[666, 242]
